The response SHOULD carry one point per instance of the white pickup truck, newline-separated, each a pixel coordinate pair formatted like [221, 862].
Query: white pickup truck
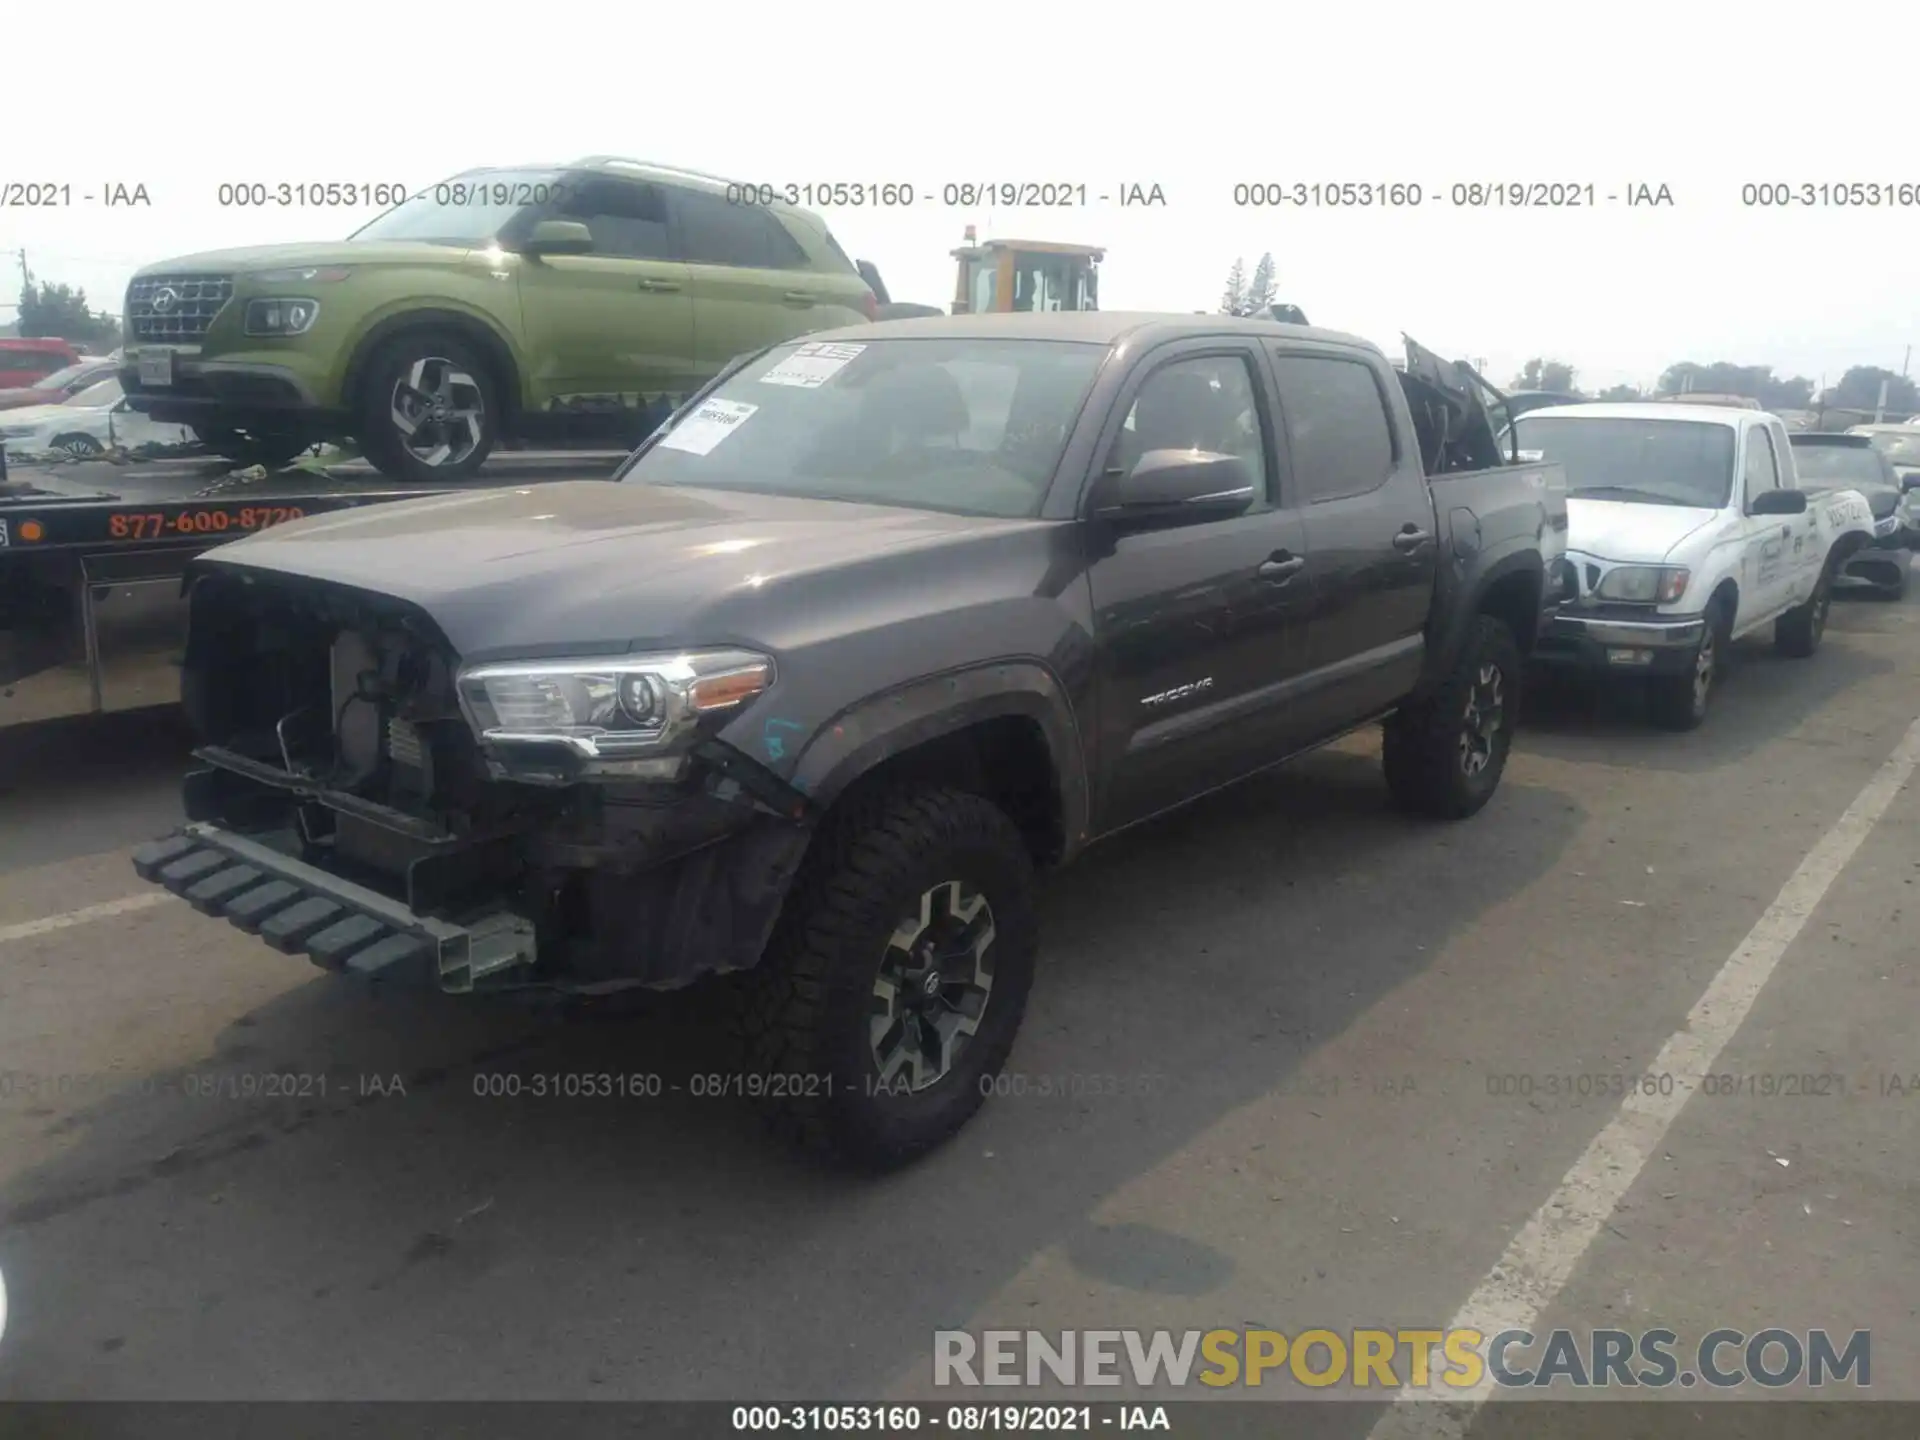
[1686, 530]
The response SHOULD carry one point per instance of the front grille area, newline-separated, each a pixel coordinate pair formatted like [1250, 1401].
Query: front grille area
[175, 308]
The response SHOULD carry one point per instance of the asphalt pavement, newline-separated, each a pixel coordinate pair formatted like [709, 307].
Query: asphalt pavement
[1291, 1061]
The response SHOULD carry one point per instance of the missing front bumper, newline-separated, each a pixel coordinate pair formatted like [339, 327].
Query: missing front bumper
[299, 908]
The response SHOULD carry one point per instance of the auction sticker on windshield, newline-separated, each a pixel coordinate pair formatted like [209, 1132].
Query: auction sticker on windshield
[707, 426]
[811, 366]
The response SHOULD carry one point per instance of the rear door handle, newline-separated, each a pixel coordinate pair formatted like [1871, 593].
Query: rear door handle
[797, 297]
[1410, 539]
[1281, 567]
[661, 286]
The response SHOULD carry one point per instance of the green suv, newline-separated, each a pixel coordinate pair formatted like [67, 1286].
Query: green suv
[565, 304]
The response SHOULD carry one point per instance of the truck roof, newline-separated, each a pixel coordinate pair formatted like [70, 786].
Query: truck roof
[1091, 327]
[1652, 410]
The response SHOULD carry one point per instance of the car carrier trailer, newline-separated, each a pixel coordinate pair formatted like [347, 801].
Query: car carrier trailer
[92, 618]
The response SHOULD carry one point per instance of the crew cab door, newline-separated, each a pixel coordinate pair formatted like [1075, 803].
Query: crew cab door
[1199, 626]
[614, 326]
[1775, 548]
[1370, 530]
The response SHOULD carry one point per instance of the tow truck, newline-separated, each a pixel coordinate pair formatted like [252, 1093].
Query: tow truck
[92, 617]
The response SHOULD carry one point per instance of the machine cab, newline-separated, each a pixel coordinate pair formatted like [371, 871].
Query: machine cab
[998, 276]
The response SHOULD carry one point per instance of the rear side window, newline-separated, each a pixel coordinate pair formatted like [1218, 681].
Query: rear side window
[833, 248]
[1340, 439]
[628, 220]
[713, 232]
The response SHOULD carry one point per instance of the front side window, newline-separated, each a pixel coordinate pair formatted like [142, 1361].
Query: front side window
[1205, 404]
[1762, 470]
[466, 210]
[973, 427]
[628, 219]
[1645, 462]
[1340, 442]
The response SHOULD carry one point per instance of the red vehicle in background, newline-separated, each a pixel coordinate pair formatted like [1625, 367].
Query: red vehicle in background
[26, 362]
[61, 385]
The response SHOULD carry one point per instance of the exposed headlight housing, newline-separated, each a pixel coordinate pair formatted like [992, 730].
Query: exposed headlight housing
[291, 315]
[616, 716]
[1644, 584]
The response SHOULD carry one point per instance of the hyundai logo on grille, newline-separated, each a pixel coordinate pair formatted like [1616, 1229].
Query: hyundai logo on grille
[164, 301]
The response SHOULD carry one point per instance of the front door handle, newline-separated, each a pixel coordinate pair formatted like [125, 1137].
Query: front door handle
[1281, 567]
[660, 286]
[797, 297]
[1410, 539]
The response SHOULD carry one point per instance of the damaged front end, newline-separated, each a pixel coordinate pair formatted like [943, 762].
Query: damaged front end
[365, 800]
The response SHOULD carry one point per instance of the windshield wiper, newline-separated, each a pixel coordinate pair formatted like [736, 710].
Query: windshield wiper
[1624, 492]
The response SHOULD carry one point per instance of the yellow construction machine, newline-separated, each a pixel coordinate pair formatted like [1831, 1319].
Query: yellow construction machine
[996, 276]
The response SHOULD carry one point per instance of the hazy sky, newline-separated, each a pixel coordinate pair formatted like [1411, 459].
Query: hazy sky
[1703, 98]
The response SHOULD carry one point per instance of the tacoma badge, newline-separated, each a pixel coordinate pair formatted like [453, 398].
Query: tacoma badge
[1180, 692]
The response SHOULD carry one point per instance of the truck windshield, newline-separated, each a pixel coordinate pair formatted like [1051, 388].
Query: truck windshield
[1651, 462]
[1831, 467]
[1900, 448]
[970, 427]
[467, 210]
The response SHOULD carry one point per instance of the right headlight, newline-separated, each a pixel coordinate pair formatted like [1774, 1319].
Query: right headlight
[1644, 584]
[614, 713]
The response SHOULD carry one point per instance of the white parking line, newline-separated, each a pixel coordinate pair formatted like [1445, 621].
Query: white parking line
[26, 929]
[1541, 1258]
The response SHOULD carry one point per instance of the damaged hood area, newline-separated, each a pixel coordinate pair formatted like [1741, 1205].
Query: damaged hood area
[593, 567]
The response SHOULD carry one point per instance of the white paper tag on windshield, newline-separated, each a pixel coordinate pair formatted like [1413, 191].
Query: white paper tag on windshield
[811, 366]
[1531, 457]
[707, 426]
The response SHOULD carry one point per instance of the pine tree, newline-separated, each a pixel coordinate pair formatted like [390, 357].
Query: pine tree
[1260, 292]
[1234, 301]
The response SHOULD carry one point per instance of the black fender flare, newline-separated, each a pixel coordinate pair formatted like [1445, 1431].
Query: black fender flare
[462, 322]
[1465, 608]
[872, 730]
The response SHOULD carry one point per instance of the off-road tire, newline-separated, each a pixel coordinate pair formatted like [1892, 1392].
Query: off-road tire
[1425, 745]
[802, 1015]
[1797, 634]
[380, 437]
[1681, 702]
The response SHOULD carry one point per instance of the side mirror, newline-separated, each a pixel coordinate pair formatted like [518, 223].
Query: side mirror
[1910, 481]
[559, 237]
[1177, 487]
[1779, 502]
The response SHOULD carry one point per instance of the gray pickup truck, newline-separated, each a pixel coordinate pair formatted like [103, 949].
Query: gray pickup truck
[873, 629]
